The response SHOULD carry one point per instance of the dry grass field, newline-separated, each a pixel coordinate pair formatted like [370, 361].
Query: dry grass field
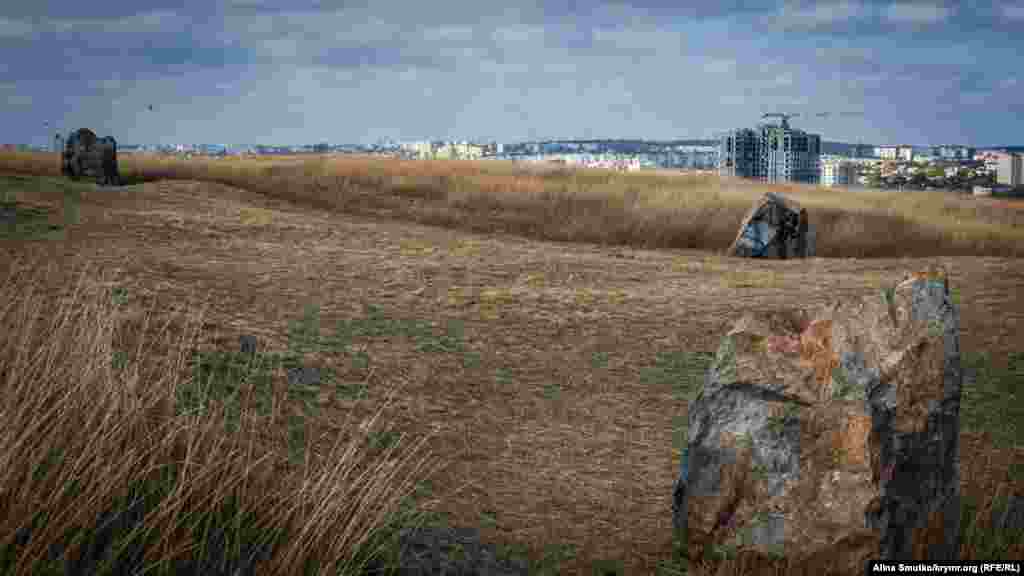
[593, 206]
[538, 332]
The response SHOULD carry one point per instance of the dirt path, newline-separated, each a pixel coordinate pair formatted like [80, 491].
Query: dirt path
[560, 430]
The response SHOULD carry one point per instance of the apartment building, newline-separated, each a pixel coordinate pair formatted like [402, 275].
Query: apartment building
[837, 172]
[771, 153]
[418, 149]
[887, 152]
[738, 154]
[950, 152]
[1009, 169]
[902, 152]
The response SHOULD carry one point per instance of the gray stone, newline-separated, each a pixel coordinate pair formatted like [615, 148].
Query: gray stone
[776, 227]
[247, 344]
[85, 155]
[444, 551]
[304, 376]
[832, 436]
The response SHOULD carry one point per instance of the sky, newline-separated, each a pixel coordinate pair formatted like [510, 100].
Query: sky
[920, 72]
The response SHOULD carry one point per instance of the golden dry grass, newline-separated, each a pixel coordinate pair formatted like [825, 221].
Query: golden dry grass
[86, 438]
[652, 210]
[558, 428]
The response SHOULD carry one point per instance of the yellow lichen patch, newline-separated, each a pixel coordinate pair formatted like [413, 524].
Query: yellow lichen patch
[584, 297]
[694, 265]
[464, 248]
[456, 296]
[617, 296]
[749, 278]
[682, 264]
[252, 216]
[416, 248]
[493, 300]
[535, 280]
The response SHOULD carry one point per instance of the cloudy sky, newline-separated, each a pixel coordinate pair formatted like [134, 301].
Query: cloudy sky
[300, 71]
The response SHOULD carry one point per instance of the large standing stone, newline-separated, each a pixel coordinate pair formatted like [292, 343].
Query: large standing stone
[832, 437]
[247, 344]
[86, 155]
[776, 227]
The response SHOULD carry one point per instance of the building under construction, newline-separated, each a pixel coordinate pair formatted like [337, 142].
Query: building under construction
[770, 153]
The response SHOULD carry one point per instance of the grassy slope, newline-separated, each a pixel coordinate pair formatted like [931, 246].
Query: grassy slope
[226, 460]
[644, 210]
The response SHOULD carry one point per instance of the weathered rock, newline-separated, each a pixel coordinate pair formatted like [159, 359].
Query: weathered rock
[85, 155]
[776, 227]
[247, 344]
[831, 437]
[448, 551]
[304, 376]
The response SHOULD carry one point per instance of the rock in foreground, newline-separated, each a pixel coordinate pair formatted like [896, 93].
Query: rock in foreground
[830, 437]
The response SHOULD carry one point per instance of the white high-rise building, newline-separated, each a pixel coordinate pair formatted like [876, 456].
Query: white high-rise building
[837, 172]
[1009, 170]
[903, 152]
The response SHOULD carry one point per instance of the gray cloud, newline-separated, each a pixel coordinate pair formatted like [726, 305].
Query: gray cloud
[1013, 10]
[918, 12]
[15, 28]
[359, 70]
[792, 15]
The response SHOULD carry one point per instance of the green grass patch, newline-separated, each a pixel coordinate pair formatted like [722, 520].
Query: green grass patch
[381, 440]
[680, 432]
[554, 556]
[219, 378]
[471, 359]
[351, 390]
[975, 531]
[223, 536]
[26, 222]
[489, 518]
[503, 376]
[451, 341]
[778, 422]
[304, 333]
[18, 221]
[552, 390]
[683, 371]
[119, 296]
[608, 568]
[994, 401]
[377, 324]
[843, 388]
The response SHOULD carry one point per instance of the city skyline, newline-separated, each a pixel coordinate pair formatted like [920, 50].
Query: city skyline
[922, 73]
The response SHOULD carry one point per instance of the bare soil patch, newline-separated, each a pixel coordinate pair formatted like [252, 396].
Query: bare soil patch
[556, 429]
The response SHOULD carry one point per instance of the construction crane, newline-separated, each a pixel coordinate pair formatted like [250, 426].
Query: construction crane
[785, 117]
[843, 114]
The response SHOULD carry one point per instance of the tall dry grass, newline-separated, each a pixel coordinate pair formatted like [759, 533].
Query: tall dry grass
[650, 210]
[102, 472]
